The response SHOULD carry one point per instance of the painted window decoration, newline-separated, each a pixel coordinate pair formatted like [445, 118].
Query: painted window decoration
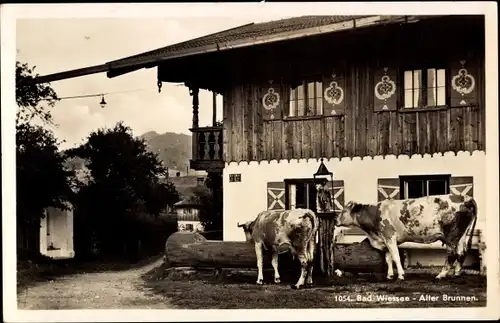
[424, 88]
[385, 89]
[271, 102]
[463, 85]
[334, 94]
[276, 196]
[306, 99]
[388, 188]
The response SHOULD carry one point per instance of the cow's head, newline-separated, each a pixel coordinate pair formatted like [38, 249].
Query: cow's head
[346, 217]
[247, 228]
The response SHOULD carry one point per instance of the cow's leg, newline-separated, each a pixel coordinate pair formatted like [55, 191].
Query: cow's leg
[303, 270]
[258, 253]
[394, 251]
[388, 260]
[448, 265]
[275, 266]
[310, 264]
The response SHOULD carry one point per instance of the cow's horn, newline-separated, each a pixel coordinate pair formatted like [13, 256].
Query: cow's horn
[239, 225]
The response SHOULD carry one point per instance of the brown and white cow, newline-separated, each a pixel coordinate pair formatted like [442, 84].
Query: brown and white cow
[282, 231]
[450, 219]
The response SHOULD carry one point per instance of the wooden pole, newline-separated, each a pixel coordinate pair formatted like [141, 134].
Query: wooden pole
[214, 106]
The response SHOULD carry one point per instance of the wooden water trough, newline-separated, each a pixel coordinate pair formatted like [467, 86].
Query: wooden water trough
[190, 249]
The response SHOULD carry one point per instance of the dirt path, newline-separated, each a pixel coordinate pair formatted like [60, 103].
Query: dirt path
[105, 290]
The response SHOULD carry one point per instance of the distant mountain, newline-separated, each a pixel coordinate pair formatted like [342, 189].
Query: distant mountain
[174, 149]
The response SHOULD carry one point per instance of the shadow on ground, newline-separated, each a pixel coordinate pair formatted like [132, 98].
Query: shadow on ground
[231, 289]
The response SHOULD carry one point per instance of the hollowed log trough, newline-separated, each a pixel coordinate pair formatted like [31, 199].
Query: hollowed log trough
[188, 249]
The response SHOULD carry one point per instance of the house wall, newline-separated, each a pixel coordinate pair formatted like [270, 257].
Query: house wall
[197, 226]
[358, 129]
[57, 229]
[244, 200]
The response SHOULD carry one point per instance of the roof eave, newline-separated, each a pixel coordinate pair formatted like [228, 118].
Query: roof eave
[336, 27]
[124, 66]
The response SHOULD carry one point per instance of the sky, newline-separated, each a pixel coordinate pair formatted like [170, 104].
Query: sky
[56, 45]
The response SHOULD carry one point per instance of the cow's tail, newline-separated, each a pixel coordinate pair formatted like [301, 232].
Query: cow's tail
[469, 231]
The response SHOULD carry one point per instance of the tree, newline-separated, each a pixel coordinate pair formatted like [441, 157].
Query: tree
[126, 183]
[41, 178]
[31, 96]
[210, 198]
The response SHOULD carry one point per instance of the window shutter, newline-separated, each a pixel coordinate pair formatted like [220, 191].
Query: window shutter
[385, 89]
[388, 188]
[276, 196]
[272, 101]
[463, 84]
[462, 186]
[334, 93]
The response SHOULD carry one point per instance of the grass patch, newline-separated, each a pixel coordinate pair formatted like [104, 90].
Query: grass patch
[233, 289]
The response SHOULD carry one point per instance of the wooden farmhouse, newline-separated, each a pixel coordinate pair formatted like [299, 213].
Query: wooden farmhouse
[393, 106]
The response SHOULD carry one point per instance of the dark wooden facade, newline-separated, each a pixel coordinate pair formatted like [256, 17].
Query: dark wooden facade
[361, 130]
[360, 127]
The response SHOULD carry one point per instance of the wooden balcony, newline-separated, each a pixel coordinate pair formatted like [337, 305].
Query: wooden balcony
[207, 149]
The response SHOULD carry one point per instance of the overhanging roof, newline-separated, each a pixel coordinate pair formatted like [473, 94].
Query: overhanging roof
[239, 37]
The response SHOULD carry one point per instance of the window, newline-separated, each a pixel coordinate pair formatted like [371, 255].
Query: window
[300, 193]
[306, 99]
[418, 186]
[424, 88]
[189, 227]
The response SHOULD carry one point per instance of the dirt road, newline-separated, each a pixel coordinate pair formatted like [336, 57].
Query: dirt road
[105, 290]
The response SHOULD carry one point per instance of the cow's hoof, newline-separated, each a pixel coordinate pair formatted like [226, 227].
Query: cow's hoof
[296, 287]
[401, 278]
[259, 282]
[310, 285]
[277, 281]
[390, 277]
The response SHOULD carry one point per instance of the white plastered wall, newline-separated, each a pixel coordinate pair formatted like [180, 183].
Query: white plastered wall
[244, 200]
[57, 229]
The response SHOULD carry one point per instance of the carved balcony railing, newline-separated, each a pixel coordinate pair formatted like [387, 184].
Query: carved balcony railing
[207, 149]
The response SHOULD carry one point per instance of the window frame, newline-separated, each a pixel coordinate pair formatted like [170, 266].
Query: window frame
[305, 81]
[296, 181]
[424, 68]
[403, 179]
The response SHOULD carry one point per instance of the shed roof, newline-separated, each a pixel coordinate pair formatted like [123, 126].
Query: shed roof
[188, 201]
[243, 36]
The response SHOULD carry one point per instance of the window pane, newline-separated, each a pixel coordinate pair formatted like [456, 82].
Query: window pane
[408, 80]
[415, 188]
[310, 90]
[319, 106]
[431, 87]
[438, 187]
[441, 87]
[300, 92]
[292, 109]
[293, 94]
[409, 98]
[319, 89]
[310, 107]
[312, 198]
[300, 107]
[300, 197]
[417, 81]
